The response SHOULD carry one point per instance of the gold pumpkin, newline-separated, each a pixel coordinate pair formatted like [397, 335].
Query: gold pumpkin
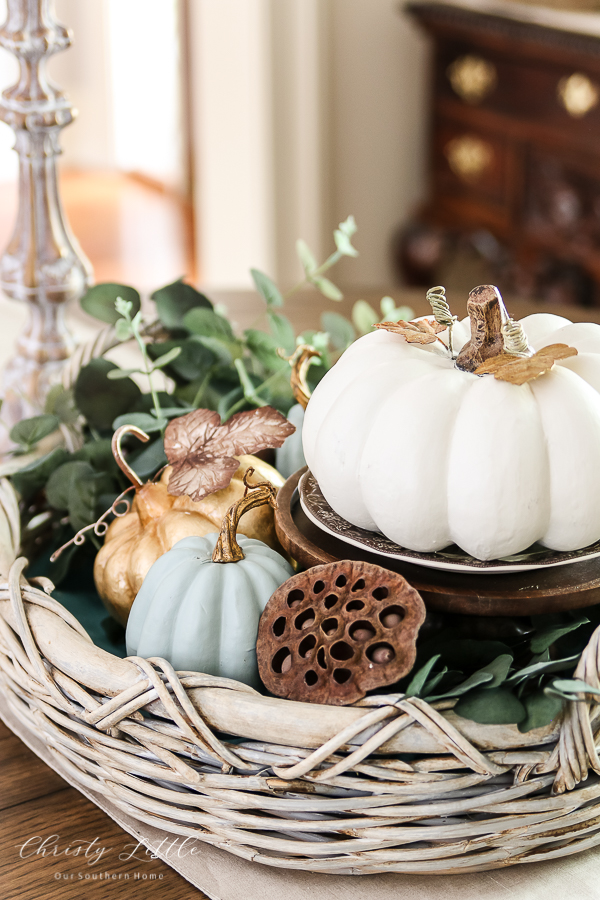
[157, 520]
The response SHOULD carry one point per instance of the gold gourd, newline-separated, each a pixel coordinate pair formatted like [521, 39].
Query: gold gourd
[157, 520]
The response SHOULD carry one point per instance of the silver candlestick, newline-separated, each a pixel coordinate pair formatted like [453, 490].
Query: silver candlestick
[43, 265]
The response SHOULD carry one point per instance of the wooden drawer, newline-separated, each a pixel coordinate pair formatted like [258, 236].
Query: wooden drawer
[557, 96]
[473, 164]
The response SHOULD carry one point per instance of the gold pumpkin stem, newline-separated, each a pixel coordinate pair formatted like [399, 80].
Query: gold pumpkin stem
[300, 361]
[118, 451]
[227, 548]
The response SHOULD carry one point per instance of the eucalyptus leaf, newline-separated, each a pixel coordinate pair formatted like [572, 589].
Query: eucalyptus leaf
[417, 682]
[264, 348]
[60, 483]
[348, 226]
[167, 358]
[267, 288]
[340, 330]
[326, 287]
[175, 300]
[32, 478]
[60, 402]
[145, 421]
[283, 332]
[206, 323]
[548, 636]
[224, 351]
[542, 668]
[119, 374]
[364, 317]
[541, 709]
[492, 707]
[84, 494]
[192, 362]
[392, 313]
[150, 459]
[30, 431]
[99, 301]
[99, 454]
[101, 400]
[342, 242]
[309, 263]
[571, 687]
[123, 329]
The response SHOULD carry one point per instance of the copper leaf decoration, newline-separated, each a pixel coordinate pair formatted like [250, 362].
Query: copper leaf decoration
[202, 451]
[423, 332]
[519, 370]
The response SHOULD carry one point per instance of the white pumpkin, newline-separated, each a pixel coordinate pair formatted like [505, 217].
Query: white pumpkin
[403, 442]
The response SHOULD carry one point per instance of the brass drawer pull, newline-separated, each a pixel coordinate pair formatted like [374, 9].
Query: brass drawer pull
[577, 94]
[469, 157]
[472, 78]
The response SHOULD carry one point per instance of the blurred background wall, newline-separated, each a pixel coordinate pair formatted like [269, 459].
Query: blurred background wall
[214, 133]
[266, 120]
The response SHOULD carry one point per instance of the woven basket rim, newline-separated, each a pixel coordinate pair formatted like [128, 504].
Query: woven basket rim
[134, 727]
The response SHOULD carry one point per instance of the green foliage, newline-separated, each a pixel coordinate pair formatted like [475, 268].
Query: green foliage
[498, 682]
[101, 400]
[32, 478]
[267, 288]
[175, 300]
[497, 706]
[29, 432]
[99, 301]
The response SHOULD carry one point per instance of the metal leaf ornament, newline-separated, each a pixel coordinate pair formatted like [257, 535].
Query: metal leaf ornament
[505, 367]
[424, 331]
[201, 449]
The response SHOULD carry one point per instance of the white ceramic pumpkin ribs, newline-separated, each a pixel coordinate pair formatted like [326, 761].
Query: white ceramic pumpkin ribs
[404, 442]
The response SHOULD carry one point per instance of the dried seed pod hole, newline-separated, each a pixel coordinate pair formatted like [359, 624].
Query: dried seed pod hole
[307, 645]
[381, 654]
[282, 661]
[321, 659]
[295, 597]
[354, 605]
[391, 616]
[362, 631]
[341, 650]
[305, 619]
[279, 626]
[318, 587]
[380, 593]
[341, 581]
[359, 585]
[341, 675]
[311, 678]
[330, 626]
[330, 601]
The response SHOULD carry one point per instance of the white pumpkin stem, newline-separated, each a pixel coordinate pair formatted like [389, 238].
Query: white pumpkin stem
[486, 308]
[118, 451]
[227, 548]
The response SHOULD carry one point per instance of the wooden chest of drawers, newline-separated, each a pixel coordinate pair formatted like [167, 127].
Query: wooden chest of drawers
[515, 151]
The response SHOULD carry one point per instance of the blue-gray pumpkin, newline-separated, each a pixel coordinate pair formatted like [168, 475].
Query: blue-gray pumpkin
[200, 603]
[290, 457]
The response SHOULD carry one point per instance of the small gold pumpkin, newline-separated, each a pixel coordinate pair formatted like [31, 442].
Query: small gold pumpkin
[157, 520]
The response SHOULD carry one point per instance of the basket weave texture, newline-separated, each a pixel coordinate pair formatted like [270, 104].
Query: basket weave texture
[391, 784]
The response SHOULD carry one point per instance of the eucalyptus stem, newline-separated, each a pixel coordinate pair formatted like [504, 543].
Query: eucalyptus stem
[324, 267]
[250, 396]
[148, 373]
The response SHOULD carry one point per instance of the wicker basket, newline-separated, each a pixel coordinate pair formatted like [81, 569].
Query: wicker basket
[388, 785]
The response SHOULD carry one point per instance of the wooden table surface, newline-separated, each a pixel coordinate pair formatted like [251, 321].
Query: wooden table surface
[37, 805]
